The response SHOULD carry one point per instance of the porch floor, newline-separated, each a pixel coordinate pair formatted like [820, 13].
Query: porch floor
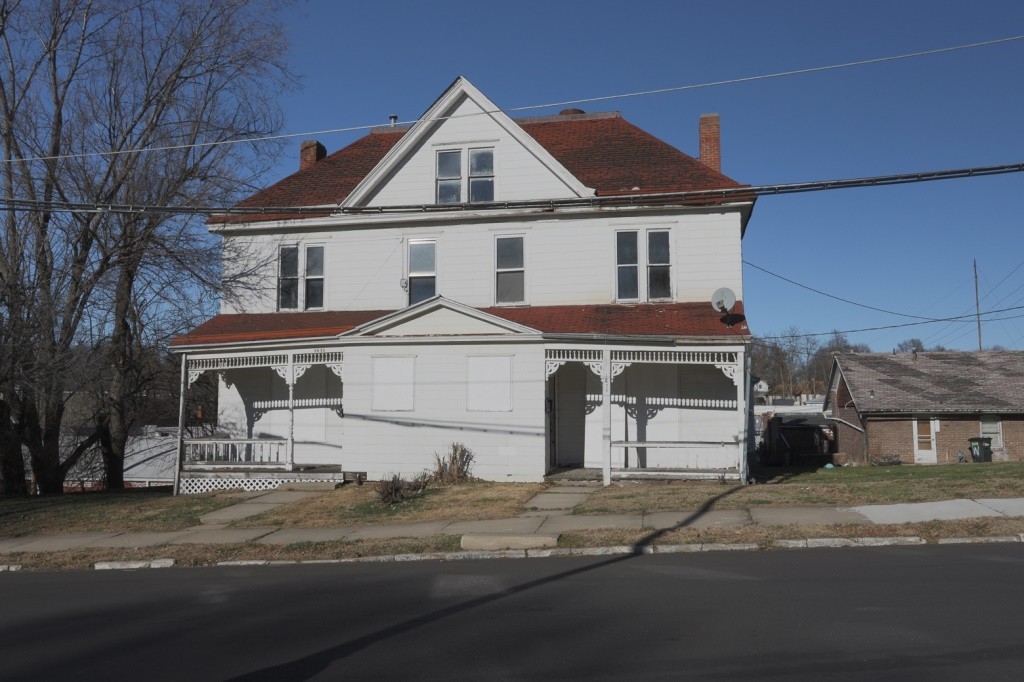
[587, 475]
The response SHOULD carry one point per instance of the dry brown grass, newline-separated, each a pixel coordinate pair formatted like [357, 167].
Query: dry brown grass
[765, 535]
[110, 511]
[353, 504]
[207, 555]
[839, 487]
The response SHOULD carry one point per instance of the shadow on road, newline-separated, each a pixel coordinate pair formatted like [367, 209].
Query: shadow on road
[313, 664]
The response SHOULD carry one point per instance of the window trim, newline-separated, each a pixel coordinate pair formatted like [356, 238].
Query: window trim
[465, 149]
[999, 428]
[409, 276]
[438, 179]
[301, 276]
[643, 265]
[497, 270]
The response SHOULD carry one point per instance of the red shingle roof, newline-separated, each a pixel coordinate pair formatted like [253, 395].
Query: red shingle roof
[240, 327]
[613, 156]
[604, 151]
[659, 319]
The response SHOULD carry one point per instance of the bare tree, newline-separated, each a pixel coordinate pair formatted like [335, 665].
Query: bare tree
[85, 85]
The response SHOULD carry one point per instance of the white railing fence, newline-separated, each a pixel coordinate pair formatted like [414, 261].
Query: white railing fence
[220, 452]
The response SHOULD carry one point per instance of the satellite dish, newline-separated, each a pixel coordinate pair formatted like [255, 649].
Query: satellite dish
[723, 300]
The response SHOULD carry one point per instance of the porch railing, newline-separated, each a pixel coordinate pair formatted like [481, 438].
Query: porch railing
[212, 453]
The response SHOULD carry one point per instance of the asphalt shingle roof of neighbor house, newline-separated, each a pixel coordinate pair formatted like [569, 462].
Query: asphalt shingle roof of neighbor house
[935, 382]
[603, 151]
[659, 319]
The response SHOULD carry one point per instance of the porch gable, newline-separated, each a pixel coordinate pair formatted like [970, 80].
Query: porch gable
[439, 317]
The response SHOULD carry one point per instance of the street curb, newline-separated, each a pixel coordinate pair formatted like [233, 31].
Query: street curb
[7, 568]
[542, 553]
[983, 540]
[132, 565]
[815, 543]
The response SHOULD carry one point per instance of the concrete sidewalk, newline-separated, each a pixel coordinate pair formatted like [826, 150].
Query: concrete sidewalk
[547, 515]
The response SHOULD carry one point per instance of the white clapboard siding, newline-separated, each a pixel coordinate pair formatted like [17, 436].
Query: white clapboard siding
[568, 261]
[508, 444]
[518, 173]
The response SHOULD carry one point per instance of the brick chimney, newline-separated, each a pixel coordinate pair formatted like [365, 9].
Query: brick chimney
[710, 142]
[310, 152]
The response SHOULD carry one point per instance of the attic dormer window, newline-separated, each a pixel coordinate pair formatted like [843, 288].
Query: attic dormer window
[465, 174]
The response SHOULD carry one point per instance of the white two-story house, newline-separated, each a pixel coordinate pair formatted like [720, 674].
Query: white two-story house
[537, 289]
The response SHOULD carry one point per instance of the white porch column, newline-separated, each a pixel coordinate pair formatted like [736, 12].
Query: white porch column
[291, 410]
[742, 390]
[182, 387]
[606, 426]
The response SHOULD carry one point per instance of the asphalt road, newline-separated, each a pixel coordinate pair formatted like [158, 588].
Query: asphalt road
[929, 612]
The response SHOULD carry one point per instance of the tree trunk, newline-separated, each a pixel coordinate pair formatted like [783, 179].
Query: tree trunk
[12, 463]
[121, 391]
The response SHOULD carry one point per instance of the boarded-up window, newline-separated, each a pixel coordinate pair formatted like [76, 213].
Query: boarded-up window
[489, 384]
[393, 383]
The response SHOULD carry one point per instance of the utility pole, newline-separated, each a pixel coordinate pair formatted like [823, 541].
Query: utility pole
[977, 302]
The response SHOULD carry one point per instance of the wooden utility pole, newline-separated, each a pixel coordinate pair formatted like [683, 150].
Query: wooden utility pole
[977, 302]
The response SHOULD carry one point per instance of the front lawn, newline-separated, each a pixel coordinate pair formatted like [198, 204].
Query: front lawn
[352, 504]
[108, 511]
[839, 487]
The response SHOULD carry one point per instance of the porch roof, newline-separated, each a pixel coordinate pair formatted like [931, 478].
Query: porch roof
[645, 319]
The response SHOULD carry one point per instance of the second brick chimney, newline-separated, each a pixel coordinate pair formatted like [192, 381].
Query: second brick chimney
[710, 142]
[310, 152]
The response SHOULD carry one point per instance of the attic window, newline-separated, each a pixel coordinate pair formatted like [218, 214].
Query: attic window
[481, 175]
[456, 179]
[449, 177]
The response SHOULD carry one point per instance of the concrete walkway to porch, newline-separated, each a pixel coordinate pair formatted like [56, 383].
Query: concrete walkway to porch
[546, 516]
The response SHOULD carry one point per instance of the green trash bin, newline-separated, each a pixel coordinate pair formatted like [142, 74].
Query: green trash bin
[981, 449]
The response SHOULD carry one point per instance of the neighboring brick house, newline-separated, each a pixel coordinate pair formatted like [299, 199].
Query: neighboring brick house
[538, 289]
[923, 407]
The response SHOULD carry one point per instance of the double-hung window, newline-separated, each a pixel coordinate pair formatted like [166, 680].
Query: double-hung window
[449, 177]
[300, 278]
[643, 265]
[481, 175]
[991, 427]
[510, 274]
[422, 270]
[474, 180]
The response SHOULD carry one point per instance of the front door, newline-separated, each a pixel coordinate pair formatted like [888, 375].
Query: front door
[924, 441]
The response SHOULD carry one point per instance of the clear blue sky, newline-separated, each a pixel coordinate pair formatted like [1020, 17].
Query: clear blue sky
[906, 248]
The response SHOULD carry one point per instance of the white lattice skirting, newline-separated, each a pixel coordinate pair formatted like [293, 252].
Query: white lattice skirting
[195, 486]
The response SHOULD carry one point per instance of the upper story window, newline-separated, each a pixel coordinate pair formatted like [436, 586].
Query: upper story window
[300, 278]
[465, 173]
[422, 270]
[510, 274]
[643, 265]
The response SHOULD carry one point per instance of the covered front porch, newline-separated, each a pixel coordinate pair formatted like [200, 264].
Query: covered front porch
[271, 394]
[634, 412]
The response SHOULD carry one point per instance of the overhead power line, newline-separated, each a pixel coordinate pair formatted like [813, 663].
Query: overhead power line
[530, 107]
[689, 198]
[898, 326]
[837, 298]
